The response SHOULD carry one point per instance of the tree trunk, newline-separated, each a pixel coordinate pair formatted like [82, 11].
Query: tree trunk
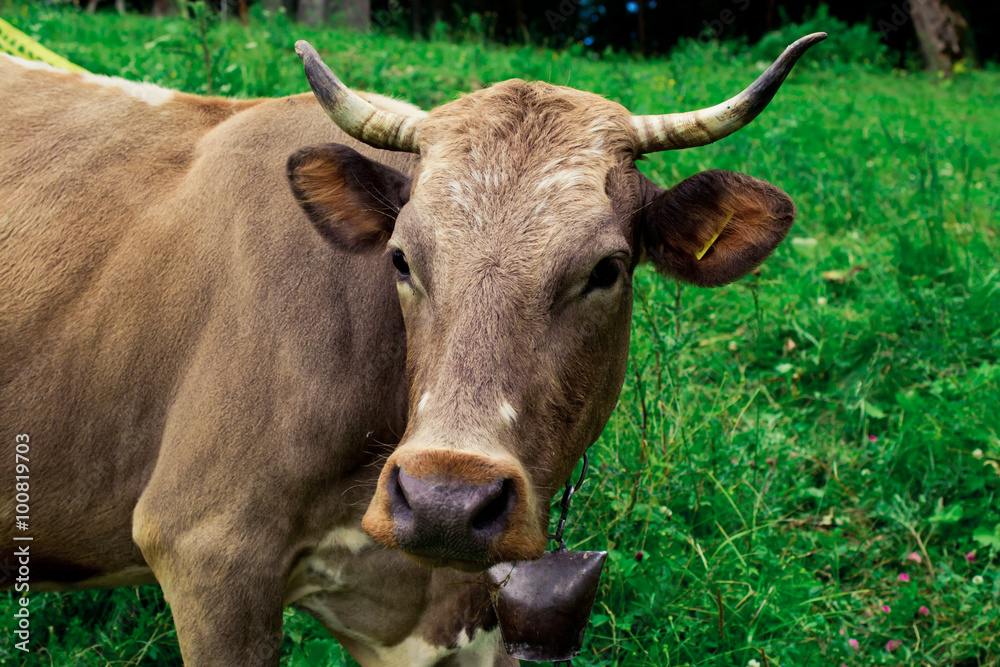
[942, 31]
[641, 27]
[437, 10]
[163, 8]
[92, 6]
[417, 18]
[275, 6]
[352, 13]
[312, 12]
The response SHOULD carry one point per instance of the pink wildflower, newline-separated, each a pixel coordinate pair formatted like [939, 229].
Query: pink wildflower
[914, 557]
[892, 645]
[873, 438]
[904, 577]
[886, 608]
[853, 643]
[971, 556]
[924, 611]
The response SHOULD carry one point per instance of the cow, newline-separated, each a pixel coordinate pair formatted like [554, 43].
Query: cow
[261, 359]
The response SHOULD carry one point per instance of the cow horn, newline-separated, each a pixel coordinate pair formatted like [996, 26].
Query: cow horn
[697, 128]
[355, 116]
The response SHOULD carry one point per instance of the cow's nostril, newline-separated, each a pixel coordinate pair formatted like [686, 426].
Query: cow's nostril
[492, 517]
[445, 517]
[398, 501]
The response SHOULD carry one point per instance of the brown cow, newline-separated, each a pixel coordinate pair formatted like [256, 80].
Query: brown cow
[208, 366]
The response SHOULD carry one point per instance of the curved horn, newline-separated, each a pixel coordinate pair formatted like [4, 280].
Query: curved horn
[355, 116]
[697, 128]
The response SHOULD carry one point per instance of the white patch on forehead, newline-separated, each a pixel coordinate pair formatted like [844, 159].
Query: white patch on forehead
[490, 179]
[561, 180]
[423, 401]
[353, 539]
[508, 412]
[149, 93]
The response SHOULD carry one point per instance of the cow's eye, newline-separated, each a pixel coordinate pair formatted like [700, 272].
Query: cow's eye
[399, 261]
[605, 274]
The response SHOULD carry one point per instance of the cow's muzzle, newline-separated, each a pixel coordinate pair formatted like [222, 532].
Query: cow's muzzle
[453, 508]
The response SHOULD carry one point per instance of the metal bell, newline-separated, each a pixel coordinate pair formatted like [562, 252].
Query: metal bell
[543, 606]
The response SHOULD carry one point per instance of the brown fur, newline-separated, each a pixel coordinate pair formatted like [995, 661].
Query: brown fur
[756, 216]
[214, 388]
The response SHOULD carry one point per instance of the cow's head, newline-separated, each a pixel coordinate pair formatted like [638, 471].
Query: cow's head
[514, 246]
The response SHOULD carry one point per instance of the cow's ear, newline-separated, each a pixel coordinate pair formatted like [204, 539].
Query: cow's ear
[352, 201]
[714, 227]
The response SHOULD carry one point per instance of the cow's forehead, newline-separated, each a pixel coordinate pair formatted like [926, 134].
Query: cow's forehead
[514, 162]
[527, 119]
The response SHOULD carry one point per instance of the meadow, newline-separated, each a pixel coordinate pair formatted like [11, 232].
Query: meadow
[804, 466]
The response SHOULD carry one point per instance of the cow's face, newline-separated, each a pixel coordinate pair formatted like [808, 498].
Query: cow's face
[514, 246]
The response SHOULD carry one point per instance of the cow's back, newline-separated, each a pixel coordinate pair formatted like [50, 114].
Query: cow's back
[156, 271]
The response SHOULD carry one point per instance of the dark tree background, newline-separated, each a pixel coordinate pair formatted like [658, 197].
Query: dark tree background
[940, 31]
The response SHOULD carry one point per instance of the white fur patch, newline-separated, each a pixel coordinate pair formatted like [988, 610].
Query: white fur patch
[149, 93]
[334, 576]
[353, 539]
[508, 412]
[33, 64]
[479, 651]
[561, 180]
[414, 651]
[423, 401]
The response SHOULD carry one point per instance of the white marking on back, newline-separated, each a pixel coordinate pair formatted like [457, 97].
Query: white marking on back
[508, 412]
[149, 93]
[33, 64]
[423, 401]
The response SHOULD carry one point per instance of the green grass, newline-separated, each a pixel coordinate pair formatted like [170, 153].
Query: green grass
[782, 444]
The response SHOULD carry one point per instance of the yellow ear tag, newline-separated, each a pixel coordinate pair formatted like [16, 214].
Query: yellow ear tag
[714, 238]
